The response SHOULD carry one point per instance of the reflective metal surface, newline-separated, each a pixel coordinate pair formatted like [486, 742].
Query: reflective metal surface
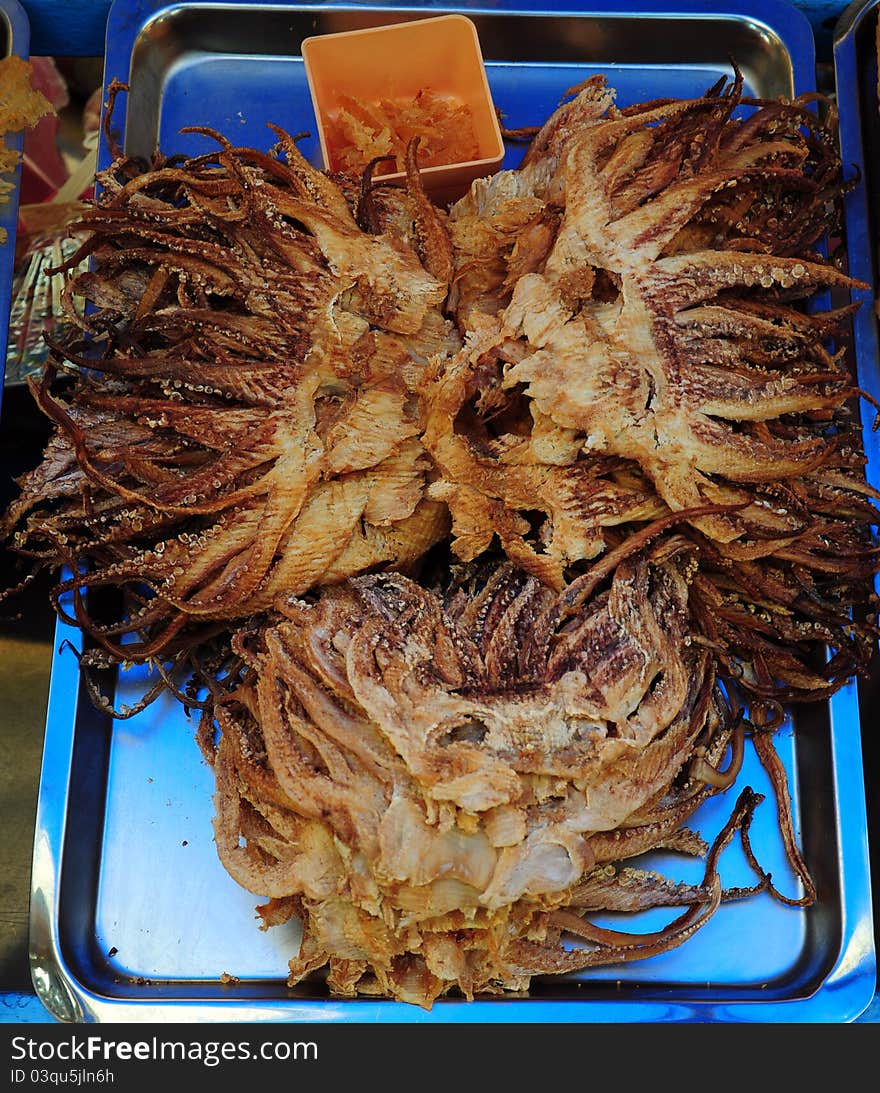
[240, 65]
[858, 97]
[133, 916]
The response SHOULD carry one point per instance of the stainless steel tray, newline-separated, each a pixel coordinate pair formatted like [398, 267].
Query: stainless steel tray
[855, 71]
[133, 918]
[14, 39]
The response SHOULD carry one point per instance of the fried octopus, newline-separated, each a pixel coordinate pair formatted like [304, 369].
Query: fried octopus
[512, 521]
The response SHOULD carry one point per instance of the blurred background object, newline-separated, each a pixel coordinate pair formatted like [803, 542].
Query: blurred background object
[58, 158]
[58, 168]
[43, 170]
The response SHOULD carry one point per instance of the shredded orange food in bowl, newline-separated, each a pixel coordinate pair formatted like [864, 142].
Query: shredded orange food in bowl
[359, 132]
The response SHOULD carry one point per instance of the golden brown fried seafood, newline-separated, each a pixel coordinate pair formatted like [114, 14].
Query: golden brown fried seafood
[243, 422]
[428, 780]
[635, 302]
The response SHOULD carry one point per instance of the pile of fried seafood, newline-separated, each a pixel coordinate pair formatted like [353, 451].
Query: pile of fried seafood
[488, 537]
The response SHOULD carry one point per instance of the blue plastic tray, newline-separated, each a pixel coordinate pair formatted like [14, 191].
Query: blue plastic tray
[133, 917]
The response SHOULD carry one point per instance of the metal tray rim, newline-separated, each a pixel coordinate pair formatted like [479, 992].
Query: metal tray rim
[845, 993]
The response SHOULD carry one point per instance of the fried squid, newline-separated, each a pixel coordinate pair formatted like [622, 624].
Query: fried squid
[511, 523]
